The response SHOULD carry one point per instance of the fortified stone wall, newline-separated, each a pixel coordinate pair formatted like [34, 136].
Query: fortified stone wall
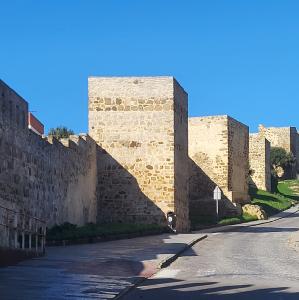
[218, 151]
[45, 178]
[283, 137]
[140, 124]
[238, 160]
[259, 161]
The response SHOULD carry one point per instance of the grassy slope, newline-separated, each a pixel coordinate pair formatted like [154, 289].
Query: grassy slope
[273, 203]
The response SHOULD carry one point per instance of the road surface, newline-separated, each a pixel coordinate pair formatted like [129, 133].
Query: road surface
[243, 263]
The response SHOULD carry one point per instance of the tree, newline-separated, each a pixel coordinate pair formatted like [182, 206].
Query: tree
[282, 162]
[60, 132]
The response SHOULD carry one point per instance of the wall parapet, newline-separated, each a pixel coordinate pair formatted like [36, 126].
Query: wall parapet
[50, 179]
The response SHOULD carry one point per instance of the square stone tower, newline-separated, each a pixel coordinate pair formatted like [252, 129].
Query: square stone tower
[259, 162]
[141, 127]
[218, 151]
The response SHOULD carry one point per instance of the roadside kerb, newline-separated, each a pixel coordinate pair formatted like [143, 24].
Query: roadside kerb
[163, 264]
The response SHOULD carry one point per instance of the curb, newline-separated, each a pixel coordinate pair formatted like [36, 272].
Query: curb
[169, 260]
[130, 288]
[163, 264]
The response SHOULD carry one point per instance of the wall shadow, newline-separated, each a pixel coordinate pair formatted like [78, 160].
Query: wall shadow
[202, 206]
[119, 197]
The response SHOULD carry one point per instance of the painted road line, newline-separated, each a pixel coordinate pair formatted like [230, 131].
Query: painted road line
[166, 273]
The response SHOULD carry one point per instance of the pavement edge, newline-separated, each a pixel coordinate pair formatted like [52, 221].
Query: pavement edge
[169, 260]
[163, 264]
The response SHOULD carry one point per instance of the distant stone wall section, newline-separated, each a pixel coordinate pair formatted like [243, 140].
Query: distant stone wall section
[54, 181]
[259, 161]
[218, 151]
[283, 137]
[140, 124]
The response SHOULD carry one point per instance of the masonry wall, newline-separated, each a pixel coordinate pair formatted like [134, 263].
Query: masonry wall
[238, 161]
[283, 137]
[259, 161]
[43, 177]
[218, 151]
[140, 124]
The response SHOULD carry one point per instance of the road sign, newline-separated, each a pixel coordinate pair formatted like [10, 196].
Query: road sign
[217, 193]
[217, 197]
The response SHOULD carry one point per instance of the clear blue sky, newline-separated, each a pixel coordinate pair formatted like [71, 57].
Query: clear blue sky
[233, 57]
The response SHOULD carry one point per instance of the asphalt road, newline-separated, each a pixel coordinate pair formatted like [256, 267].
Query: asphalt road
[243, 263]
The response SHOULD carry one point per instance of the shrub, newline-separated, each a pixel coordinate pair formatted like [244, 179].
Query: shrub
[281, 159]
[60, 132]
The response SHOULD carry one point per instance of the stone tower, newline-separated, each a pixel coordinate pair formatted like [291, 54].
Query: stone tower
[218, 151]
[260, 163]
[141, 127]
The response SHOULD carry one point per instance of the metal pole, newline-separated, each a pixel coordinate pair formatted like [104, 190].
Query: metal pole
[6, 222]
[23, 233]
[30, 235]
[44, 238]
[36, 241]
[217, 210]
[16, 229]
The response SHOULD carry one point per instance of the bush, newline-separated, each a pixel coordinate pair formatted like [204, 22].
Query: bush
[280, 158]
[60, 132]
[73, 232]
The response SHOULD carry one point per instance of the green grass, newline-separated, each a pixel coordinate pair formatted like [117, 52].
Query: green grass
[289, 189]
[237, 220]
[273, 203]
[72, 232]
[210, 220]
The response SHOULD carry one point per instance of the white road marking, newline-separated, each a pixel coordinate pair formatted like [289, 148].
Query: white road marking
[166, 273]
[206, 272]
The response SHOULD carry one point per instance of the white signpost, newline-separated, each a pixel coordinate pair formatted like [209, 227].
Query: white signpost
[217, 197]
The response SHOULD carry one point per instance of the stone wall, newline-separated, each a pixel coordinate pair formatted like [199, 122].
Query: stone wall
[259, 161]
[218, 151]
[48, 179]
[283, 137]
[140, 124]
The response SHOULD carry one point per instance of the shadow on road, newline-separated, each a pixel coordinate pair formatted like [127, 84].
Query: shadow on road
[175, 289]
[259, 229]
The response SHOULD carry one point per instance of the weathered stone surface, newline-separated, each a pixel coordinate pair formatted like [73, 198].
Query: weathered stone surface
[42, 177]
[255, 210]
[141, 126]
[218, 151]
[259, 162]
[286, 138]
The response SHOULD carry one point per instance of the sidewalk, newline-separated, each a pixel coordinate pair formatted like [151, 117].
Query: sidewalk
[92, 271]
